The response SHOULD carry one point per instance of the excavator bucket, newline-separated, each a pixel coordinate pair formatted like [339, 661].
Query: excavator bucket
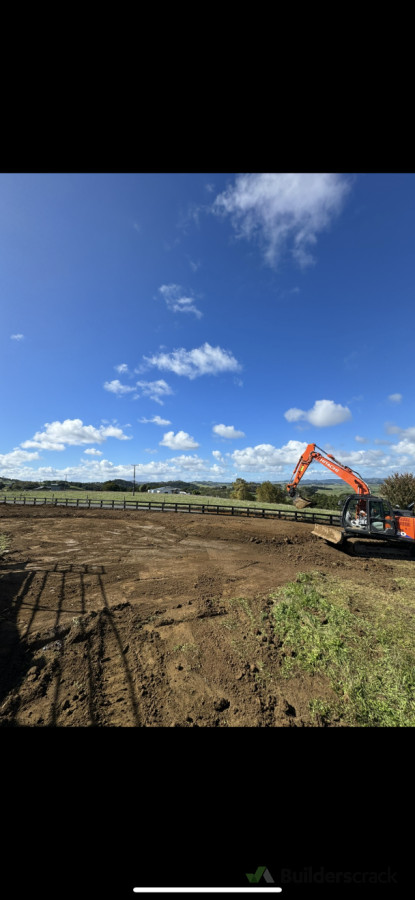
[300, 503]
[329, 533]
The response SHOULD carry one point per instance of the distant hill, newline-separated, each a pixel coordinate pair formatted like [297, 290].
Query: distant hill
[188, 486]
[320, 481]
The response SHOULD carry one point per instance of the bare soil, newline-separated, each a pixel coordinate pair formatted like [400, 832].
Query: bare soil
[125, 618]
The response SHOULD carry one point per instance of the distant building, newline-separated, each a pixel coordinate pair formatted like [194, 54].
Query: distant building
[165, 490]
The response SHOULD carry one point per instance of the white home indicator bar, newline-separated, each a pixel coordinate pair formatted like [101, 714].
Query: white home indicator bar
[206, 890]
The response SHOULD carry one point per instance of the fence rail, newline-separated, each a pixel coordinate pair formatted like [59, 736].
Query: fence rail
[169, 506]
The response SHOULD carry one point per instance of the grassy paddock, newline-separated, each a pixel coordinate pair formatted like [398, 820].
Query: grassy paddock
[361, 638]
[155, 498]
[339, 487]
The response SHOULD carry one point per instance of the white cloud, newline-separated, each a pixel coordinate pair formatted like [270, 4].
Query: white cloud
[406, 434]
[93, 452]
[204, 360]
[179, 441]
[227, 431]
[264, 460]
[177, 301]
[115, 387]
[283, 211]
[361, 440]
[122, 368]
[261, 462]
[294, 414]
[217, 454]
[58, 435]
[157, 420]
[180, 467]
[406, 445]
[190, 463]
[154, 389]
[16, 337]
[405, 449]
[217, 470]
[265, 457]
[16, 458]
[362, 460]
[323, 414]
[395, 398]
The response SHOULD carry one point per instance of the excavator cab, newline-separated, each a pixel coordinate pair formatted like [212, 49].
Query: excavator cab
[362, 516]
[369, 516]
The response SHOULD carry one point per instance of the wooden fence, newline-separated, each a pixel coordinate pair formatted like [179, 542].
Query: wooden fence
[170, 506]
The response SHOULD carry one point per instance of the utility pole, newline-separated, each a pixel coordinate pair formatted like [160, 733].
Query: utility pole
[134, 478]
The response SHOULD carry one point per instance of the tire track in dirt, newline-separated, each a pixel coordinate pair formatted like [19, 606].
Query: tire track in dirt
[113, 685]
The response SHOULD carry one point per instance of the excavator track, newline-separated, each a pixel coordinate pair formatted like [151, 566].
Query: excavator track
[382, 549]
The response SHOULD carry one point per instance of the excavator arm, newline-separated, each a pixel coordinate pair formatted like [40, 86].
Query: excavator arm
[311, 453]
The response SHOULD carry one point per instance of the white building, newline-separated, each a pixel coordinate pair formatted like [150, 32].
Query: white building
[165, 490]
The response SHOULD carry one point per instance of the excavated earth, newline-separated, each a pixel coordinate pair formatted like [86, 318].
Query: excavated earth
[126, 618]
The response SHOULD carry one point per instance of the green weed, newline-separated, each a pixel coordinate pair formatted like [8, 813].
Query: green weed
[369, 659]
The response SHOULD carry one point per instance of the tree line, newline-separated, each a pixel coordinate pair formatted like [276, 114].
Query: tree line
[398, 489]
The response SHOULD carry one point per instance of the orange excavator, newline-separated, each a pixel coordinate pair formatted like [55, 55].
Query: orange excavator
[363, 515]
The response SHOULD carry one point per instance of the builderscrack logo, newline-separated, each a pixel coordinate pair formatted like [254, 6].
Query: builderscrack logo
[261, 872]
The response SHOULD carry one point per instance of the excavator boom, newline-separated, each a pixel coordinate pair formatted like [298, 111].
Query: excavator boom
[311, 453]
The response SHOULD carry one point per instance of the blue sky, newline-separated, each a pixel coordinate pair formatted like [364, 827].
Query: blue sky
[205, 326]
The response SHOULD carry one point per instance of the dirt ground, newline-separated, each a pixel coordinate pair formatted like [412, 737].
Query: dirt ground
[113, 618]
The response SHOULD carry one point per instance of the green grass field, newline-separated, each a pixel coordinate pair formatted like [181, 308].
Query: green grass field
[144, 497]
[368, 658]
[75, 494]
[340, 487]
